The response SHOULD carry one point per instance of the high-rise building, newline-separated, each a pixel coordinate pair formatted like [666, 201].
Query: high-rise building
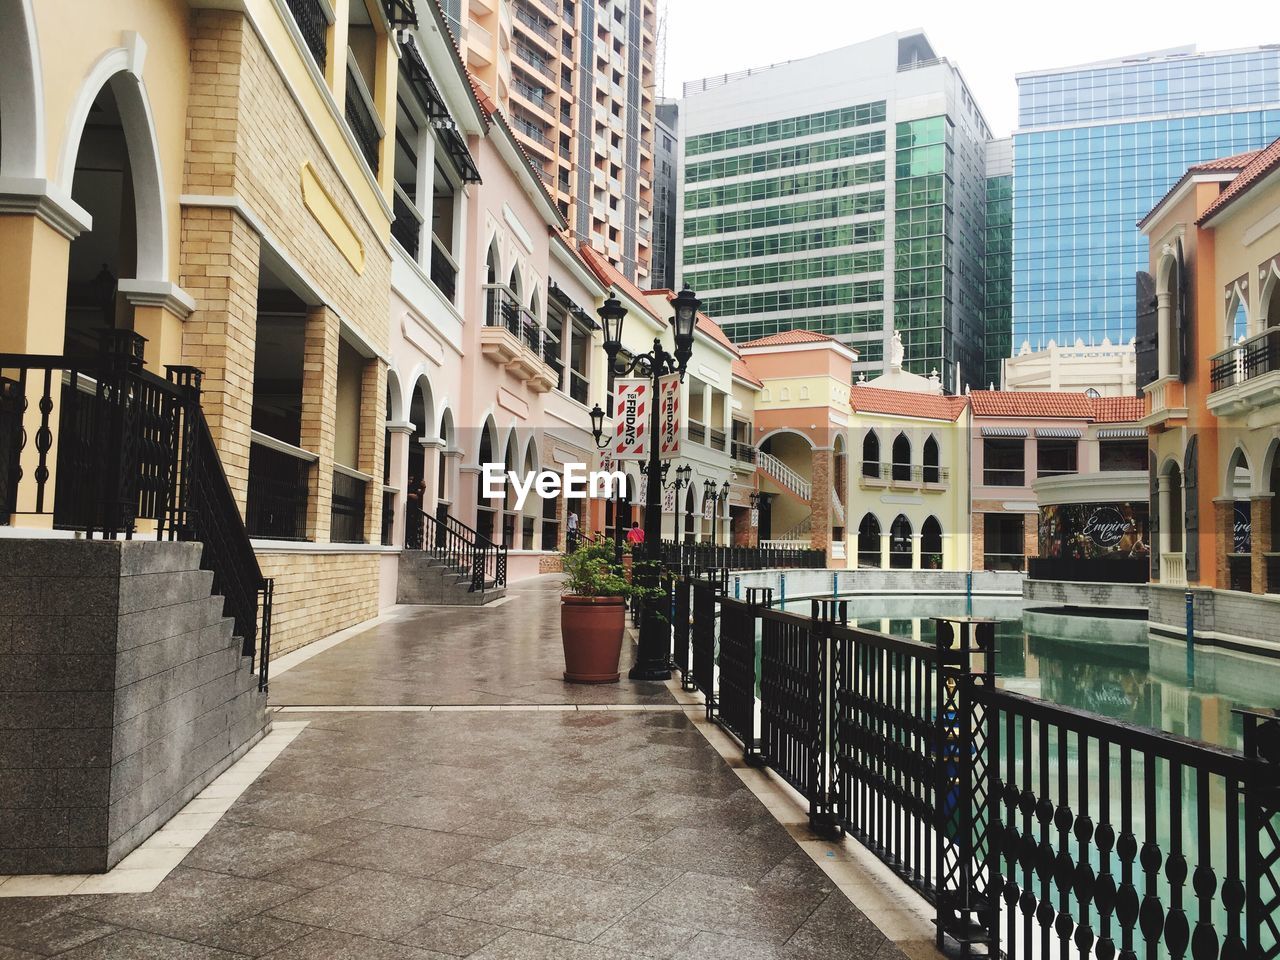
[843, 193]
[666, 156]
[575, 79]
[997, 301]
[1096, 147]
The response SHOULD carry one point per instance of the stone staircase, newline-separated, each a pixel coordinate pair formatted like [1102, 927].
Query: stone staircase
[432, 580]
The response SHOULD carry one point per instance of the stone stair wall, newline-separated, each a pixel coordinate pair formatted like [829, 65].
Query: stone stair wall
[122, 694]
[427, 579]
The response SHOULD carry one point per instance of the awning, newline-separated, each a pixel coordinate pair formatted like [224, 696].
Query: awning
[1004, 431]
[1059, 433]
[438, 115]
[1122, 433]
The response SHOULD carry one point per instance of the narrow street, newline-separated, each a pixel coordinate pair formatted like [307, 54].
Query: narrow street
[414, 818]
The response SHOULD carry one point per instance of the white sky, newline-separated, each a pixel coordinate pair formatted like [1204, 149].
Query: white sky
[988, 41]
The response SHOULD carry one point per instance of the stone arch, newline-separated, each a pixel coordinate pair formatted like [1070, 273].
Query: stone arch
[22, 134]
[121, 71]
[516, 282]
[447, 432]
[1269, 296]
[422, 411]
[395, 396]
[1238, 476]
[1237, 321]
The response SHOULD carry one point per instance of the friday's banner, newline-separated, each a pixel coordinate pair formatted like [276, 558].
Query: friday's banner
[669, 417]
[631, 419]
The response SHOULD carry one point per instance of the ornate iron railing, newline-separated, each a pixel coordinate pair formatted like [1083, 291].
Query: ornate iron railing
[454, 542]
[407, 225]
[362, 123]
[112, 444]
[1245, 360]
[312, 23]
[699, 557]
[444, 271]
[743, 452]
[1034, 829]
[279, 488]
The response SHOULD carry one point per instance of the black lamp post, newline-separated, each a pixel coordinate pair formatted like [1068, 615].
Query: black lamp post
[717, 497]
[653, 658]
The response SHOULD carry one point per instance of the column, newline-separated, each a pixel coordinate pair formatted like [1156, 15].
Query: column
[424, 188]
[450, 464]
[1164, 517]
[398, 454]
[884, 549]
[915, 552]
[319, 413]
[1259, 540]
[219, 267]
[820, 491]
[978, 542]
[1224, 522]
[160, 309]
[1164, 327]
[373, 399]
[432, 465]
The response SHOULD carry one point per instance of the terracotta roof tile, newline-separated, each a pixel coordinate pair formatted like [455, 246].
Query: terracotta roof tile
[1118, 409]
[790, 336]
[611, 276]
[1263, 162]
[1031, 403]
[905, 403]
[740, 369]
[1224, 165]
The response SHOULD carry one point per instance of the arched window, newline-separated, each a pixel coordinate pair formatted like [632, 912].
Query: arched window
[931, 472]
[1239, 321]
[871, 455]
[869, 541]
[931, 543]
[900, 542]
[901, 457]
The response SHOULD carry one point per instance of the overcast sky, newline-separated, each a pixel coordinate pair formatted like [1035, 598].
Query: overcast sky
[989, 41]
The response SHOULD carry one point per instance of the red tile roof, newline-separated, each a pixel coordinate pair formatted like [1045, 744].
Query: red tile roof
[1232, 164]
[741, 370]
[611, 276]
[790, 336]
[1118, 409]
[1264, 162]
[904, 403]
[1031, 403]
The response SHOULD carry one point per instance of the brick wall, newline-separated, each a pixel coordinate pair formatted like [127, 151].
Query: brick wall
[317, 594]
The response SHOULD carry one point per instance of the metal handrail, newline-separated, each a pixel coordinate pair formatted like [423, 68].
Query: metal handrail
[451, 540]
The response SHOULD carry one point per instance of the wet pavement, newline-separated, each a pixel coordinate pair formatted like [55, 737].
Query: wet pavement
[496, 835]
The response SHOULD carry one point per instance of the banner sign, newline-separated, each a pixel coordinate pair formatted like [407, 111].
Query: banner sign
[708, 508]
[1242, 528]
[755, 517]
[1087, 531]
[669, 417]
[669, 500]
[631, 416]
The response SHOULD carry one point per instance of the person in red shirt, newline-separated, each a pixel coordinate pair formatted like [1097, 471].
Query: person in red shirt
[635, 535]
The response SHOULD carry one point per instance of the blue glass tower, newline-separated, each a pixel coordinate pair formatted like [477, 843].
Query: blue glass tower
[1096, 147]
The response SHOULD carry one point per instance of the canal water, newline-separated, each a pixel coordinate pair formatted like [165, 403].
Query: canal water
[1113, 667]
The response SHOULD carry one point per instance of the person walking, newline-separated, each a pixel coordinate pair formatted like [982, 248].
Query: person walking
[635, 536]
[571, 537]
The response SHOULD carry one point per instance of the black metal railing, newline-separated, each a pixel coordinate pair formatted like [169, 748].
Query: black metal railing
[1240, 572]
[451, 540]
[1033, 829]
[407, 226]
[905, 472]
[110, 444]
[717, 439]
[743, 452]
[536, 24]
[579, 387]
[444, 272]
[279, 488]
[1090, 570]
[698, 557]
[502, 309]
[312, 23]
[346, 513]
[363, 126]
[1002, 561]
[697, 432]
[1243, 362]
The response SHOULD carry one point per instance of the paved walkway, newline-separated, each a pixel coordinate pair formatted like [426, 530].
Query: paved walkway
[426, 834]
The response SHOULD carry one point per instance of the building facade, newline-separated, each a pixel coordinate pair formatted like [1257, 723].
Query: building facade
[844, 193]
[1107, 369]
[1097, 145]
[1212, 412]
[577, 82]
[666, 157]
[997, 303]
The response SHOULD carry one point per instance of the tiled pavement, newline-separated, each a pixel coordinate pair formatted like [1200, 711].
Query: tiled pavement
[569, 835]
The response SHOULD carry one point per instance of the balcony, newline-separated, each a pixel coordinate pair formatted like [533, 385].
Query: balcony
[1173, 569]
[1246, 377]
[313, 23]
[480, 49]
[362, 120]
[444, 270]
[1166, 400]
[532, 131]
[743, 452]
[279, 481]
[904, 476]
[718, 439]
[513, 338]
[406, 228]
[346, 514]
[697, 432]
[536, 26]
[535, 96]
[528, 57]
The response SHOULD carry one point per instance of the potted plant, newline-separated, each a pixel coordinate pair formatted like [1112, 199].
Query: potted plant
[593, 614]
[935, 561]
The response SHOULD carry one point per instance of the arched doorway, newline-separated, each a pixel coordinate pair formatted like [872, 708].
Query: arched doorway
[1172, 519]
[869, 541]
[931, 544]
[690, 515]
[900, 543]
[484, 506]
[509, 513]
[1237, 538]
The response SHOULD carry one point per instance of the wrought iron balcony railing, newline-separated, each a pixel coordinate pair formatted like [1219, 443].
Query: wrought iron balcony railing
[360, 118]
[406, 228]
[346, 514]
[313, 24]
[579, 387]
[444, 270]
[1245, 360]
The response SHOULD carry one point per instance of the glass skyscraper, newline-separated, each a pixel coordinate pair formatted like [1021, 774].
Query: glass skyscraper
[842, 193]
[1097, 146]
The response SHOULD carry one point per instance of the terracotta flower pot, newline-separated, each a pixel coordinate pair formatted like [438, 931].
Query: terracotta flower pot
[591, 629]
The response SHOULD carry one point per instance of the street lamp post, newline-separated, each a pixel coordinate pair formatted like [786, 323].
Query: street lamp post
[709, 492]
[653, 660]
